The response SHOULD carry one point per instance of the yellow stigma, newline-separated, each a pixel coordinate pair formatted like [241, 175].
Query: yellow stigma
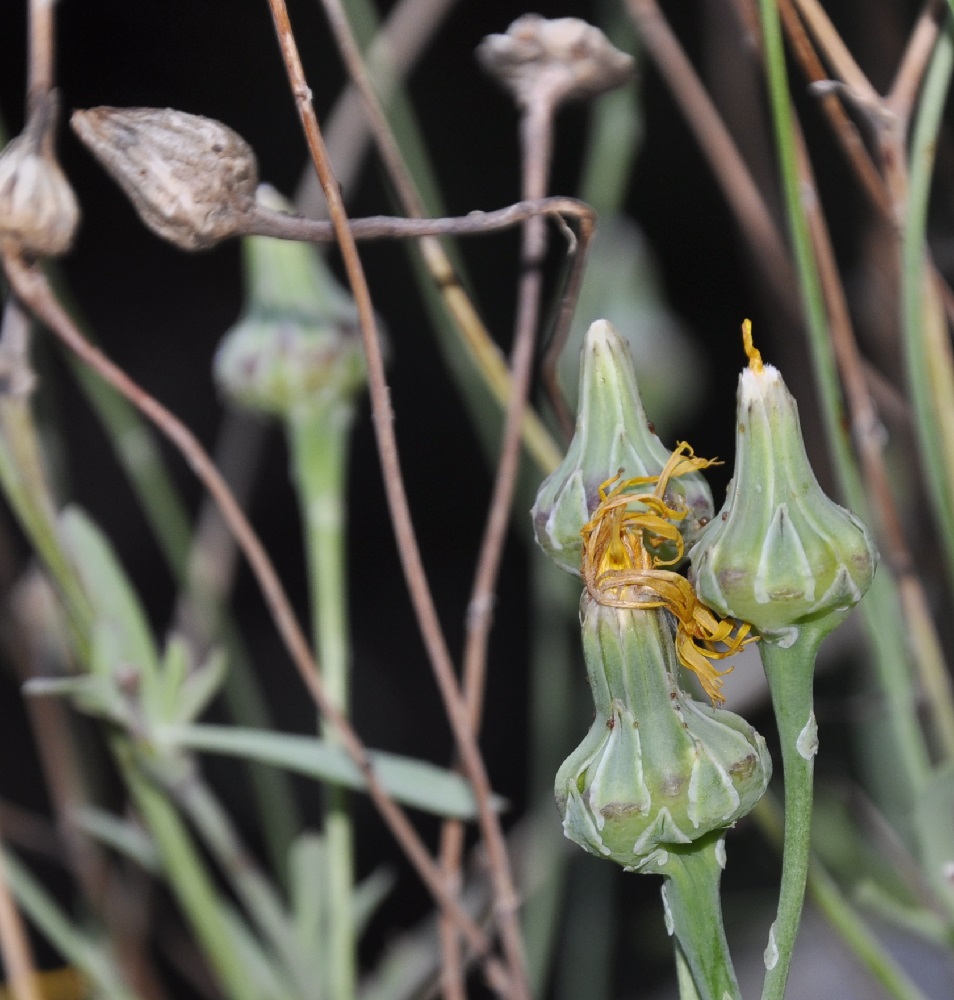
[751, 351]
[621, 566]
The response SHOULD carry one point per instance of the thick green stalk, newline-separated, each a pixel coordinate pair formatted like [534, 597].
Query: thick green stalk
[694, 914]
[318, 438]
[790, 672]
[831, 902]
[687, 985]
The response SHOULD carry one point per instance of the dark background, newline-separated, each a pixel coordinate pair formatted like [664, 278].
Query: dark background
[160, 312]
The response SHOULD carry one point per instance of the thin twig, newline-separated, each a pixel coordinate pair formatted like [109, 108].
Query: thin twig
[867, 435]
[730, 170]
[382, 418]
[31, 287]
[390, 227]
[845, 130]
[476, 340]
[907, 80]
[837, 55]
[536, 133]
[402, 38]
[865, 423]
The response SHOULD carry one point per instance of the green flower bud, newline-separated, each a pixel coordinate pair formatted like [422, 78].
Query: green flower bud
[297, 345]
[656, 768]
[781, 552]
[613, 437]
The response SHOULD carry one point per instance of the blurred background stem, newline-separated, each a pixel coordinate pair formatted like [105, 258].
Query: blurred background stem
[318, 438]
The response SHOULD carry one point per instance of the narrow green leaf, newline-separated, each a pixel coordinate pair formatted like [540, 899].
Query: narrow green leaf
[416, 783]
[108, 588]
[124, 837]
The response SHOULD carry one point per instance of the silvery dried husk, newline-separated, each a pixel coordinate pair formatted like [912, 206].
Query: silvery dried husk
[191, 179]
[38, 209]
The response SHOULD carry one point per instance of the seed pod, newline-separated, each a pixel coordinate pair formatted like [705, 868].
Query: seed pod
[297, 345]
[780, 552]
[656, 768]
[613, 437]
[38, 210]
[191, 179]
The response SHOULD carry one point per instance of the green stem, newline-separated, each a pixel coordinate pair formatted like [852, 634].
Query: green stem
[880, 609]
[256, 893]
[694, 908]
[927, 354]
[318, 439]
[687, 985]
[840, 914]
[93, 959]
[24, 482]
[790, 671]
[188, 878]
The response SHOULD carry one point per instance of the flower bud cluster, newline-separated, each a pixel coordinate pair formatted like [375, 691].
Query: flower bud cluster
[657, 768]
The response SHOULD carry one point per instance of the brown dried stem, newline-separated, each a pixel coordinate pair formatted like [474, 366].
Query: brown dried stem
[476, 340]
[865, 423]
[725, 161]
[907, 81]
[31, 287]
[867, 434]
[15, 944]
[385, 227]
[415, 577]
[845, 130]
[408, 29]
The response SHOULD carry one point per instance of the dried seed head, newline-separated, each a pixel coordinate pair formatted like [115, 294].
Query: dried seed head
[566, 57]
[38, 210]
[191, 179]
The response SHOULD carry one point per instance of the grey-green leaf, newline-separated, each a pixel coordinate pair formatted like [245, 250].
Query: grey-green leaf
[416, 783]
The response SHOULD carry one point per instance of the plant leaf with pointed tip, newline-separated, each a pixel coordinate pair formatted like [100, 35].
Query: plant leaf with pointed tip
[413, 782]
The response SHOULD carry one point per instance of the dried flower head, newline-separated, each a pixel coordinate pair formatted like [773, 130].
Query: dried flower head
[191, 179]
[38, 210]
[566, 58]
[622, 567]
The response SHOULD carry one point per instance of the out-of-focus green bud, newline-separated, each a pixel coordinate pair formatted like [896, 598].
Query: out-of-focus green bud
[780, 552]
[656, 768]
[297, 345]
[612, 436]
